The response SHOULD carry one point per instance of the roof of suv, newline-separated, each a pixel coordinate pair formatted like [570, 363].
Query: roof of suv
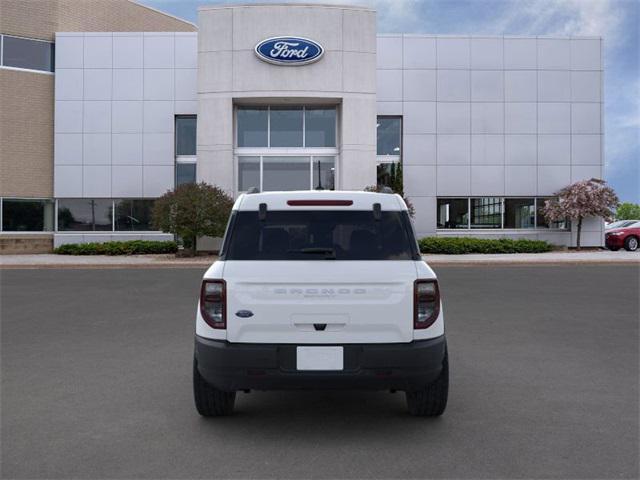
[320, 200]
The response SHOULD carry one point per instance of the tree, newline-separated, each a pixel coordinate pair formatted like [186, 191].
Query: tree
[193, 210]
[586, 198]
[390, 176]
[628, 211]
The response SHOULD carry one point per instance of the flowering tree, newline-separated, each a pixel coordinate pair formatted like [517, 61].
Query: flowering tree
[193, 210]
[586, 198]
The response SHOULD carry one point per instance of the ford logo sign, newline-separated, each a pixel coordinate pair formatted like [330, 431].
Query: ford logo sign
[289, 51]
[244, 313]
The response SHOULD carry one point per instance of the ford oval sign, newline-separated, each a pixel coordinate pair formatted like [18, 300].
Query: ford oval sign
[289, 51]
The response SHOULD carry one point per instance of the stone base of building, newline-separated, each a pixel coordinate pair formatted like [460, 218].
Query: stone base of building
[16, 244]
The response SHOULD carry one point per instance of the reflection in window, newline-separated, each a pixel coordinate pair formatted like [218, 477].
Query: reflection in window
[185, 173]
[486, 212]
[248, 173]
[541, 220]
[26, 215]
[133, 215]
[86, 215]
[389, 133]
[286, 127]
[285, 173]
[519, 213]
[186, 135]
[26, 53]
[252, 126]
[389, 174]
[453, 213]
[324, 173]
[320, 127]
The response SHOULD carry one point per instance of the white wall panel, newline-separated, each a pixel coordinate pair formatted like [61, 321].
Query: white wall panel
[520, 53]
[389, 85]
[127, 117]
[487, 149]
[158, 51]
[156, 180]
[128, 84]
[585, 86]
[521, 85]
[554, 149]
[126, 181]
[419, 117]
[126, 149]
[487, 85]
[98, 51]
[454, 149]
[96, 149]
[552, 178]
[454, 117]
[96, 181]
[554, 54]
[158, 84]
[419, 52]
[68, 83]
[453, 180]
[453, 52]
[487, 117]
[419, 85]
[554, 86]
[520, 149]
[419, 149]
[585, 54]
[585, 118]
[586, 150]
[96, 116]
[158, 149]
[97, 84]
[487, 53]
[127, 51]
[389, 52]
[487, 180]
[453, 85]
[69, 51]
[554, 118]
[68, 149]
[520, 118]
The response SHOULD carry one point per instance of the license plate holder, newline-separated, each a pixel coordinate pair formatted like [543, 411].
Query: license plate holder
[320, 358]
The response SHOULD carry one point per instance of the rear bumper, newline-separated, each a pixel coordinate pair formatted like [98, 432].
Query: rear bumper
[395, 366]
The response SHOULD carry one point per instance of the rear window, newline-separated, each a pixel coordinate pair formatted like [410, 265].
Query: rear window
[320, 235]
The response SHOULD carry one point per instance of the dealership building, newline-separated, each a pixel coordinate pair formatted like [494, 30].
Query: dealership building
[107, 105]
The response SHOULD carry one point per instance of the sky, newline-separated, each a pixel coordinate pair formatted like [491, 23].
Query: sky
[617, 21]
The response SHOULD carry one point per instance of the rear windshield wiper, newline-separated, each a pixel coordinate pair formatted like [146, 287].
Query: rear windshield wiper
[330, 253]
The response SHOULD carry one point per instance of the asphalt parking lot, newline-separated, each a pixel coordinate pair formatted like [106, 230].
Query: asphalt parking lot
[96, 383]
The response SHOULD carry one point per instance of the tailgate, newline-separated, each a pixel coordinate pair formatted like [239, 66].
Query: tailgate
[320, 302]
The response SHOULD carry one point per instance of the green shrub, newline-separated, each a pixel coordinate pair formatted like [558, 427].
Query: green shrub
[132, 247]
[461, 245]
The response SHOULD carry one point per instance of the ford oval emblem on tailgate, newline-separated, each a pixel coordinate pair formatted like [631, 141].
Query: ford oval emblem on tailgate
[244, 313]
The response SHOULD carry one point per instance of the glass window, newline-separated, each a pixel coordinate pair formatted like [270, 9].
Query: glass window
[185, 173]
[389, 174]
[83, 214]
[252, 126]
[133, 215]
[324, 169]
[320, 127]
[285, 173]
[321, 235]
[186, 135]
[285, 125]
[248, 173]
[26, 53]
[389, 132]
[486, 212]
[519, 213]
[453, 213]
[542, 222]
[26, 215]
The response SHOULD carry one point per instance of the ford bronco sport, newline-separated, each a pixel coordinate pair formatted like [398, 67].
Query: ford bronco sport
[318, 290]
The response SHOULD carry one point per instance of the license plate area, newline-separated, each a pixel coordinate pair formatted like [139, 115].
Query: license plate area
[320, 358]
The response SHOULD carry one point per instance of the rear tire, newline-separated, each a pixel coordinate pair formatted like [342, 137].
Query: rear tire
[431, 401]
[211, 402]
[631, 244]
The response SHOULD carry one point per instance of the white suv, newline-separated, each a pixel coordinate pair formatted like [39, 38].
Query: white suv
[318, 290]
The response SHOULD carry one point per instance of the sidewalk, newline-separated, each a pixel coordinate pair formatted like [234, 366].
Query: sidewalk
[161, 261]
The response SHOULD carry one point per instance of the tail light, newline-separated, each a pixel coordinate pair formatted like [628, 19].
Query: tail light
[426, 303]
[213, 303]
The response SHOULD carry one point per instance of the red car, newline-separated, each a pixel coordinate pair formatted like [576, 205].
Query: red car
[627, 237]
